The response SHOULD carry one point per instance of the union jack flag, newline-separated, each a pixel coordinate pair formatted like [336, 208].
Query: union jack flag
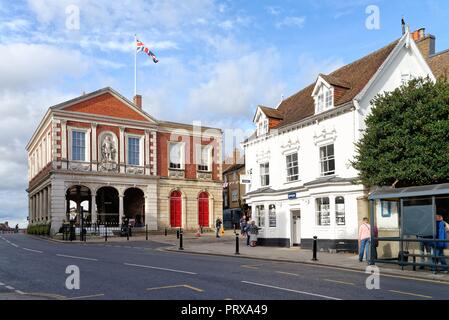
[141, 47]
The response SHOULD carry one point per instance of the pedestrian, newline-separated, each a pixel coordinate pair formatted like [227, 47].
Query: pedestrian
[253, 232]
[438, 247]
[425, 249]
[364, 239]
[218, 224]
[243, 225]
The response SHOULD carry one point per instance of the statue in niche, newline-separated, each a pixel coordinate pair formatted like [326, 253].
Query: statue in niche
[108, 154]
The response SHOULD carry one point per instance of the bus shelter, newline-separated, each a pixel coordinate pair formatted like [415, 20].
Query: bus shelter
[404, 223]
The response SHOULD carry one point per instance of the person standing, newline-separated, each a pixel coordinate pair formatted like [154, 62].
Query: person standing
[438, 247]
[218, 224]
[243, 225]
[364, 239]
[253, 232]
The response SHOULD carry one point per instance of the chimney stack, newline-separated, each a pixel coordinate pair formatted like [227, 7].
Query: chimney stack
[138, 101]
[425, 43]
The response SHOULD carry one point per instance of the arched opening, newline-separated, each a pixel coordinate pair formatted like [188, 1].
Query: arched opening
[108, 205]
[175, 209]
[78, 197]
[134, 206]
[203, 209]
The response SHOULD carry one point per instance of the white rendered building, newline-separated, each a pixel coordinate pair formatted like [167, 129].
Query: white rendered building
[299, 159]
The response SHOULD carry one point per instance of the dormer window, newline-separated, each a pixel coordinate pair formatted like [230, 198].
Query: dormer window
[324, 99]
[328, 101]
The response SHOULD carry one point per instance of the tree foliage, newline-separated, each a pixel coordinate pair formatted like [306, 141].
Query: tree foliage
[406, 141]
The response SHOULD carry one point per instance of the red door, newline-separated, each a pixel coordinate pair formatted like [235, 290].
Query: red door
[175, 209]
[203, 209]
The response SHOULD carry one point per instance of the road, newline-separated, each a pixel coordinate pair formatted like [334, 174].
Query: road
[32, 268]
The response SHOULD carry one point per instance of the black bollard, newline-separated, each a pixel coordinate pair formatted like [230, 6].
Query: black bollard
[177, 234]
[165, 231]
[237, 251]
[315, 246]
[180, 241]
[201, 229]
[105, 232]
[146, 232]
[127, 232]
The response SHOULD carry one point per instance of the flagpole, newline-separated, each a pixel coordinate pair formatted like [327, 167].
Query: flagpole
[135, 65]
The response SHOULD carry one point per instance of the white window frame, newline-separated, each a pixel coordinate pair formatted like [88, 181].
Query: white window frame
[340, 213]
[182, 155]
[327, 158]
[319, 212]
[272, 211]
[324, 98]
[289, 177]
[141, 148]
[198, 154]
[86, 140]
[260, 218]
[265, 174]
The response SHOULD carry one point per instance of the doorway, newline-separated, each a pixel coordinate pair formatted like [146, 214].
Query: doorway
[296, 227]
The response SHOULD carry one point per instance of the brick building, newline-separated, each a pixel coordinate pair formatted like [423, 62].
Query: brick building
[104, 153]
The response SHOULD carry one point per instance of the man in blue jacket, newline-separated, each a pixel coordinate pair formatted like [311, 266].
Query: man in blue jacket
[439, 247]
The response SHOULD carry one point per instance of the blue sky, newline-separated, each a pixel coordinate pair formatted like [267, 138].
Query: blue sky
[218, 59]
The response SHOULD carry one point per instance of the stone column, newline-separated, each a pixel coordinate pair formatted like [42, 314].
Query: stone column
[151, 218]
[49, 202]
[30, 209]
[38, 209]
[45, 203]
[122, 149]
[34, 208]
[64, 153]
[153, 153]
[147, 153]
[94, 150]
[93, 208]
[120, 208]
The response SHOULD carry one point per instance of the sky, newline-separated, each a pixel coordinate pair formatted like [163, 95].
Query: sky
[218, 60]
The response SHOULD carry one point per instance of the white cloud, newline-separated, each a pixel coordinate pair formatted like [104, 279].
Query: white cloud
[15, 25]
[237, 86]
[273, 10]
[310, 67]
[28, 65]
[297, 22]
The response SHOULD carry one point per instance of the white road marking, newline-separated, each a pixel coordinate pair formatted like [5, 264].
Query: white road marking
[75, 257]
[85, 297]
[157, 268]
[14, 245]
[19, 292]
[291, 290]
[10, 288]
[2, 284]
[32, 250]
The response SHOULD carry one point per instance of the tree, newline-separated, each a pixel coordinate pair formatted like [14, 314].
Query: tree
[406, 142]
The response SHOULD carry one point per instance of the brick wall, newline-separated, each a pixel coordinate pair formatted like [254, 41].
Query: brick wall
[108, 105]
[190, 162]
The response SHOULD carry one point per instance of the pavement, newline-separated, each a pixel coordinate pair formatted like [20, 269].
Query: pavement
[208, 244]
[37, 268]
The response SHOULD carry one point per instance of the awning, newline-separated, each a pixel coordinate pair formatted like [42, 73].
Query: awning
[408, 192]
